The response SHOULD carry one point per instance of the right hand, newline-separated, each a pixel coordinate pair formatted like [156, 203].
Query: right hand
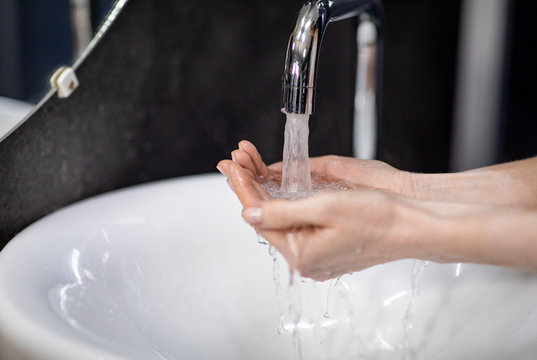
[371, 174]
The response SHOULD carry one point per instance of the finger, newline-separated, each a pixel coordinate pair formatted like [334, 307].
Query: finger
[244, 185]
[251, 150]
[224, 167]
[243, 159]
[325, 164]
[278, 167]
[322, 164]
[286, 214]
[262, 192]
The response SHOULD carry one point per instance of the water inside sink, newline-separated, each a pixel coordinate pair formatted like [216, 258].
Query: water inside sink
[170, 271]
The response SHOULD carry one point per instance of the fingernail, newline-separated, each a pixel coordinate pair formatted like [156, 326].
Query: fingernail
[253, 215]
[219, 169]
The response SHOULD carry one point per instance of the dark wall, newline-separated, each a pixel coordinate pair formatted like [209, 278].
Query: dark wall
[10, 69]
[519, 125]
[169, 91]
[420, 65]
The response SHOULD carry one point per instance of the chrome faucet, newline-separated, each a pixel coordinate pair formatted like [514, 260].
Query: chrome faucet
[299, 77]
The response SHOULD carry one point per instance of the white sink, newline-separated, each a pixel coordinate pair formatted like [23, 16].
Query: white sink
[170, 271]
[12, 112]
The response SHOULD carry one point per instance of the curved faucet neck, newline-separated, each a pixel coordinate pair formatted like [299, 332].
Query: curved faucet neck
[299, 77]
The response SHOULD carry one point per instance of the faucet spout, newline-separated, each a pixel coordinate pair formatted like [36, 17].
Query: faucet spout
[299, 77]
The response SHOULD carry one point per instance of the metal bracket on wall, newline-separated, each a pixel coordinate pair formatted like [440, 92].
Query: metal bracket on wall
[64, 81]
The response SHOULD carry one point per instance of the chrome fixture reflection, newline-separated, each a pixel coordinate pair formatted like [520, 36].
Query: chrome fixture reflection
[298, 83]
[81, 25]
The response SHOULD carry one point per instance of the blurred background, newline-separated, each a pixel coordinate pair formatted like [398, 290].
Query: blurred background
[37, 36]
[459, 76]
[173, 85]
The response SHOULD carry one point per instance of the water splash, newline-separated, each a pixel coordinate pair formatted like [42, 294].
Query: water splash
[327, 318]
[261, 240]
[294, 312]
[408, 320]
[344, 291]
[310, 325]
[297, 182]
[278, 286]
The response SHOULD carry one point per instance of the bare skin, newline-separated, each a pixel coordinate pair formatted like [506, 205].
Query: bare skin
[487, 215]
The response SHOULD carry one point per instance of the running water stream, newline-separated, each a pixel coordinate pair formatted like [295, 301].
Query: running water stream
[297, 181]
[296, 174]
[300, 314]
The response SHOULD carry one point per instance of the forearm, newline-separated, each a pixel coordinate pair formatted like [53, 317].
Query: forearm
[509, 237]
[488, 234]
[509, 183]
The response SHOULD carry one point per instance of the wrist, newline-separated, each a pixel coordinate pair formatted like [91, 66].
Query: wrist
[436, 231]
[464, 187]
[415, 230]
[480, 186]
[458, 232]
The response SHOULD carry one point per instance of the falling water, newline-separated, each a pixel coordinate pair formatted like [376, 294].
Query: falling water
[408, 319]
[296, 178]
[278, 285]
[295, 313]
[297, 181]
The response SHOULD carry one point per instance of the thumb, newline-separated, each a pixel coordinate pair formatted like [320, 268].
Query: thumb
[278, 167]
[285, 214]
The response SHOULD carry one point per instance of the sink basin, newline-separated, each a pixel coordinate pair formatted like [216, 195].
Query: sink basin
[169, 270]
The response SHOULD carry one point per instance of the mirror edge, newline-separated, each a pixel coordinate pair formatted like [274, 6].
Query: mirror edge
[109, 20]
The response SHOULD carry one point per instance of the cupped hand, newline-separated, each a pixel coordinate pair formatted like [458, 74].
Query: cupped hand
[251, 175]
[331, 234]
[322, 236]
[246, 172]
[372, 174]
